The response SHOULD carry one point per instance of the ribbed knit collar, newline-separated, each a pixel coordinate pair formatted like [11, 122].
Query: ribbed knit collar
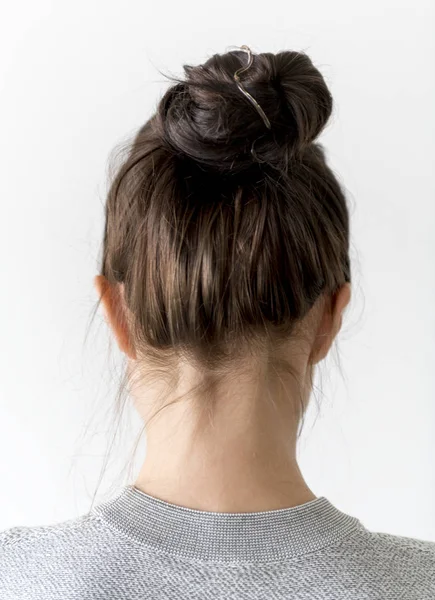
[226, 537]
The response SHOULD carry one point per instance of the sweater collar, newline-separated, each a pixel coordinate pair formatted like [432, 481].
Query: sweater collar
[225, 537]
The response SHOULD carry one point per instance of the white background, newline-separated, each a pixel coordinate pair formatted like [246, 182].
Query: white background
[76, 78]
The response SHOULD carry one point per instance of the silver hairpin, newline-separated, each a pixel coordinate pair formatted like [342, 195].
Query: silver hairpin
[242, 89]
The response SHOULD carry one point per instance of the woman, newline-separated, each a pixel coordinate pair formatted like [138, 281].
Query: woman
[224, 278]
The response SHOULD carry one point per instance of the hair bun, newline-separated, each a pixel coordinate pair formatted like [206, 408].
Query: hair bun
[207, 118]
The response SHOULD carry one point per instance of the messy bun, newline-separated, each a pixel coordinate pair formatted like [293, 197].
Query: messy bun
[210, 262]
[207, 118]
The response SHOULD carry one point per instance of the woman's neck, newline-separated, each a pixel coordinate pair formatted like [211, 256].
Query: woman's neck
[245, 462]
[226, 491]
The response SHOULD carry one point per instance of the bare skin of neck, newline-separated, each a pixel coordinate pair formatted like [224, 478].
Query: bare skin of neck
[244, 460]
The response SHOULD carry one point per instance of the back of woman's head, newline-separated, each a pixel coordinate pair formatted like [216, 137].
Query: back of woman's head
[224, 232]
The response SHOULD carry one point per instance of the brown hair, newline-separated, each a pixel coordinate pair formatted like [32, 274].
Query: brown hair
[219, 248]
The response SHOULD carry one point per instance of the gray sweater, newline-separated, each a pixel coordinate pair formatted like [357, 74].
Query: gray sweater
[136, 547]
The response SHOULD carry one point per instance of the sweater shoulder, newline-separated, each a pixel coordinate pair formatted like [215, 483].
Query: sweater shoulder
[404, 544]
[380, 548]
[50, 560]
[26, 534]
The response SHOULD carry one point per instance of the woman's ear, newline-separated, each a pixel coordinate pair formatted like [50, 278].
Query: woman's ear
[342, 299]
[114, 309]
[330, 323]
